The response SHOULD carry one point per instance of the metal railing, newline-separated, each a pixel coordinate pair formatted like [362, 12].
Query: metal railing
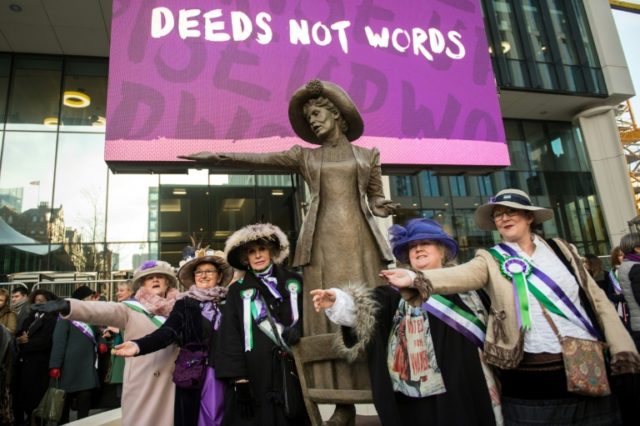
[64, 288]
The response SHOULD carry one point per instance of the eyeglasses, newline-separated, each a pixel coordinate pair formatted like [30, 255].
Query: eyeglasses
[499, 215]
[207, 272]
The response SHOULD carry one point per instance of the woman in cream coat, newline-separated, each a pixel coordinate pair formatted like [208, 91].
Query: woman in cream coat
[529, 356]
[148, 391]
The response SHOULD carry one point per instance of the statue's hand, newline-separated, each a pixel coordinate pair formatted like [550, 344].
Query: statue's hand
[384, 208]
[204, 156]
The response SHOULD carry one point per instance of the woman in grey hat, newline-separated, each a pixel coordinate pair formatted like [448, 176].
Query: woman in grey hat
[534, 286]
[194, 323]
[148, 391]
[346, 193]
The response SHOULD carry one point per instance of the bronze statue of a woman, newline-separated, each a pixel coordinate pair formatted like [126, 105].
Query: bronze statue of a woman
[339, 241]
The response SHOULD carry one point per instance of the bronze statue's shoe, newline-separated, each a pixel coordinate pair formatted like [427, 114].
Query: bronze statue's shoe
[344, 415]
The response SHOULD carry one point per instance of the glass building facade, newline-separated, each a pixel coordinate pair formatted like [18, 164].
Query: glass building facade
[62, 209]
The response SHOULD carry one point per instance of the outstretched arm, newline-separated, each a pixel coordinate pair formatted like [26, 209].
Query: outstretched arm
[338, 305]
[289, 160]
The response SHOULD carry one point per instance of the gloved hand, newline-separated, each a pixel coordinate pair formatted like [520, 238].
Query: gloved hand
[53, 306]
[102, 348]
[244, 399]
[54, 373]
[291, 335]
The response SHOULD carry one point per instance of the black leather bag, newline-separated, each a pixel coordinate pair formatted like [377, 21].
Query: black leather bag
[292, 402]
[290, 389]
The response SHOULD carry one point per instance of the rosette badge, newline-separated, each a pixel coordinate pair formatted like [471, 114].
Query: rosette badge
[518, 270]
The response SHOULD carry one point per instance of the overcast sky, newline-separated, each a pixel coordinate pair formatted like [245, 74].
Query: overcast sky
[629, 29]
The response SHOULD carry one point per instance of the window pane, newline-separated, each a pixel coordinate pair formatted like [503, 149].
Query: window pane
[518, 149]
[26, 184]
[35, 93]
[85, 77]
[132, 198]
[5, 70]
[80, 192]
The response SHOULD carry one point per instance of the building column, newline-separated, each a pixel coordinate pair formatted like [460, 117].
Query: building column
[609, 168]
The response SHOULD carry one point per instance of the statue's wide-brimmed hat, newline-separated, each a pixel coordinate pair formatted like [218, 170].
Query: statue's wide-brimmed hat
[513, 198]
[257, 233]
[216, 258]
[337, 96]
[401, 237]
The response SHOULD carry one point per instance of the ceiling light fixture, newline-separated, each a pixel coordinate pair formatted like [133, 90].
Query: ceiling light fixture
[75, 99]
[50, 121]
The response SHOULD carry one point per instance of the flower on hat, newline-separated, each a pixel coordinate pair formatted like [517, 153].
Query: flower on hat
[148, 264]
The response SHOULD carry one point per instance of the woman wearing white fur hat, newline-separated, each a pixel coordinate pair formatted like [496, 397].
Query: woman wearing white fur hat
[260, 321]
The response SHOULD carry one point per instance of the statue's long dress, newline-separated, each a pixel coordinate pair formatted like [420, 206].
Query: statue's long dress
[344, 250]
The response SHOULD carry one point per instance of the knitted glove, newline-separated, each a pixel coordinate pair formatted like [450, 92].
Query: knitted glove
[291, 336]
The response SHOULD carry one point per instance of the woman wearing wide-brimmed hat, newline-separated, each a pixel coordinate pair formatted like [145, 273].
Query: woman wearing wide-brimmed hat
[249, 349]
[451, 386]
[148, 391]
[534, 286]
[194, 320]
[346, 193]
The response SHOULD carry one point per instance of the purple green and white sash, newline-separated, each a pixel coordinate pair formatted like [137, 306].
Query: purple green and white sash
[464, 322]
[253, 308]
[614, 282]
[157, 320]
[541, 286]
[85, 329]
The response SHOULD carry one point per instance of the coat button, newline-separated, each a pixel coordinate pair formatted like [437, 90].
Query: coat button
[156, 373]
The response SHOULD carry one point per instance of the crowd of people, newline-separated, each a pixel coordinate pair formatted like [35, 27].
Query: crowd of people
[525, 333]
[459, 343]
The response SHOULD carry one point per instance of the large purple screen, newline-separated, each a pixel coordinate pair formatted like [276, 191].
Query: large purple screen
[188, 76]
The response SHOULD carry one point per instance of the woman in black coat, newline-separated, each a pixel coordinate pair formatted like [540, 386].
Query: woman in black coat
[193, 322]
[249, 353]
[34, 339]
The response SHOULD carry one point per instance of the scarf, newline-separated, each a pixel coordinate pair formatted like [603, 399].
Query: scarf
[157, 305]
[18, 306]
[213, 294]
[411, 358]
[634, 257]
[267, 278]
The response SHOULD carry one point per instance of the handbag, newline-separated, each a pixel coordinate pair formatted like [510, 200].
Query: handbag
[292, 402]
[50, 407]
[583, 363]
[191, 365]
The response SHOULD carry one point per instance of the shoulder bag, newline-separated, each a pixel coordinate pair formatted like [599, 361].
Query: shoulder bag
[191, 363]
[583, 363]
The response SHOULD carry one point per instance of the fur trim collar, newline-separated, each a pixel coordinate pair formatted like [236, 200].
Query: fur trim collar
[366, 310]
[255, 232]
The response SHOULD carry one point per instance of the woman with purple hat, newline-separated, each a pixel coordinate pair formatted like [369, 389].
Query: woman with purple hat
[147, 391]
[544, 304]
[193, 323]
[424, 358]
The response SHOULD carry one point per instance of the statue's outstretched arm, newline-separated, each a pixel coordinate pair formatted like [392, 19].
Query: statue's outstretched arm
[289, 160]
